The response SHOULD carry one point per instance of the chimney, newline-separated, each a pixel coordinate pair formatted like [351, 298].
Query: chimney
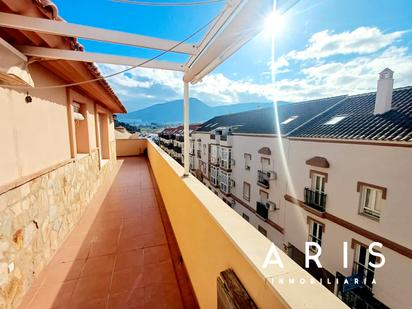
[383, 101]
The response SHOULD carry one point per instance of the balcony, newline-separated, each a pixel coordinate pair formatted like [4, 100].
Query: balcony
[134, 248]
[315, 199]
[262, 210]
[263, 179]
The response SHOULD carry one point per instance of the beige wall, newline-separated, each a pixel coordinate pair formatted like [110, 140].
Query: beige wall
[39, 135]
[212, 238]
[130, 147]
[32, 136]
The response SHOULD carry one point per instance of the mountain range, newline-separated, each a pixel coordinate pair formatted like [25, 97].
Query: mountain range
[172, 112]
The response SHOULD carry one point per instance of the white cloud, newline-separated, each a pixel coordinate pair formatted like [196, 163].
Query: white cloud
[363, 40]
[371, 51]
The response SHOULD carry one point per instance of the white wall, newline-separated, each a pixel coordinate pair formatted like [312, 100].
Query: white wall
[389, 167]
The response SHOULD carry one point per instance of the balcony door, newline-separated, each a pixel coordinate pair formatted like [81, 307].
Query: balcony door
[318, 185]
[318, 182]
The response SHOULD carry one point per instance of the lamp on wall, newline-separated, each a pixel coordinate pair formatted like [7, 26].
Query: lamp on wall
[28, 98]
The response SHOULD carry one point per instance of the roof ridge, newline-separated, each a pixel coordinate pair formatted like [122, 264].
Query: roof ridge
[319, 99]
[374, 92]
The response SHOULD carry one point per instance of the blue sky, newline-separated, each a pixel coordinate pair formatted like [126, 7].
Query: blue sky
[324, 48]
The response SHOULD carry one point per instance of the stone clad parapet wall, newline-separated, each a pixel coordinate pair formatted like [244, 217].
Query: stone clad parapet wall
[36, 217]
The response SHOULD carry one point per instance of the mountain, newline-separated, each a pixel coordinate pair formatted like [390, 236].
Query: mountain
[172, 112]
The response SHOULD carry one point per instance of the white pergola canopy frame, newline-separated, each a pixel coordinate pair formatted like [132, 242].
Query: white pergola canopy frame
[239, 21]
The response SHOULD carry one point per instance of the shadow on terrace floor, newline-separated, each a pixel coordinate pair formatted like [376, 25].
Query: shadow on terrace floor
[122, 254]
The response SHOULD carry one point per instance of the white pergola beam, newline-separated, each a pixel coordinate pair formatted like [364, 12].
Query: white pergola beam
[19, 57]
[63, 54]
[220, 21]
[244, 21]
[92, 33]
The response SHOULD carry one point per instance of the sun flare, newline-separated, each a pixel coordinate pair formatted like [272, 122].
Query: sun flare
[274, 24]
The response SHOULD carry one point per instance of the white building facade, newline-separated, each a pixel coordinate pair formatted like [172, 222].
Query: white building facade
[338, 172]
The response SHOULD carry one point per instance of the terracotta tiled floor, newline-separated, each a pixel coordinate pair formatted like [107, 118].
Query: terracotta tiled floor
[122, 254]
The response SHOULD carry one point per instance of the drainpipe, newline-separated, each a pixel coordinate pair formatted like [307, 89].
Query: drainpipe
[186, 143]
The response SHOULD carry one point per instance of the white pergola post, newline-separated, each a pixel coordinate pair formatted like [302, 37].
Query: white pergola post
[186, 143]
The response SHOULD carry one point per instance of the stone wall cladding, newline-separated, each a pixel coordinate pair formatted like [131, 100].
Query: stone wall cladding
[37, 216]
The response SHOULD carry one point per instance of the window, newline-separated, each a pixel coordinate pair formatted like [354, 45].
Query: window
[81, 129]
[318, 182]
[265, 164]
[204, 168]
[214, 174]
[264, 197]
[245, 216]
[214, 154]
[225, 157]
[335, 120]
[361, 263]
[316, 230]
[204, 149]
[246, 191]
[371, 200]
[290, 119]
[262, 230]
[224, 182]
[192, 146]
[248, 158]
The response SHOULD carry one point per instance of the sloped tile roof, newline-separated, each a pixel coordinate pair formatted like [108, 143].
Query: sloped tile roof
[360, 122]
[263, 121]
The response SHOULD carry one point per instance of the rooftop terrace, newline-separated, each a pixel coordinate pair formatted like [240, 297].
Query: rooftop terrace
[121, 254]
[150, 230]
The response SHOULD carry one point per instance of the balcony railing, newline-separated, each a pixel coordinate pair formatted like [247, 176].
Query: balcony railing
[263, 179]
[262, 210]
[315, 199]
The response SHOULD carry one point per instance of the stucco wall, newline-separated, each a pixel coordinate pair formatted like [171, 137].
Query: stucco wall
[130, 147]
[37, 135]
[33, 136]
[388, 167]
[251, 145]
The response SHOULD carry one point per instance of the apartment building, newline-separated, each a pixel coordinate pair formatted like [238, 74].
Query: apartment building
[171, 140]
[335, 170]
[234, 158]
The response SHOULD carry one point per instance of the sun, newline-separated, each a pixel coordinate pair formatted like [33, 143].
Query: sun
[274, 24]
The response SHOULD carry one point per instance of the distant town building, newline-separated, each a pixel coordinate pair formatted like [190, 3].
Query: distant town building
[171, 140]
